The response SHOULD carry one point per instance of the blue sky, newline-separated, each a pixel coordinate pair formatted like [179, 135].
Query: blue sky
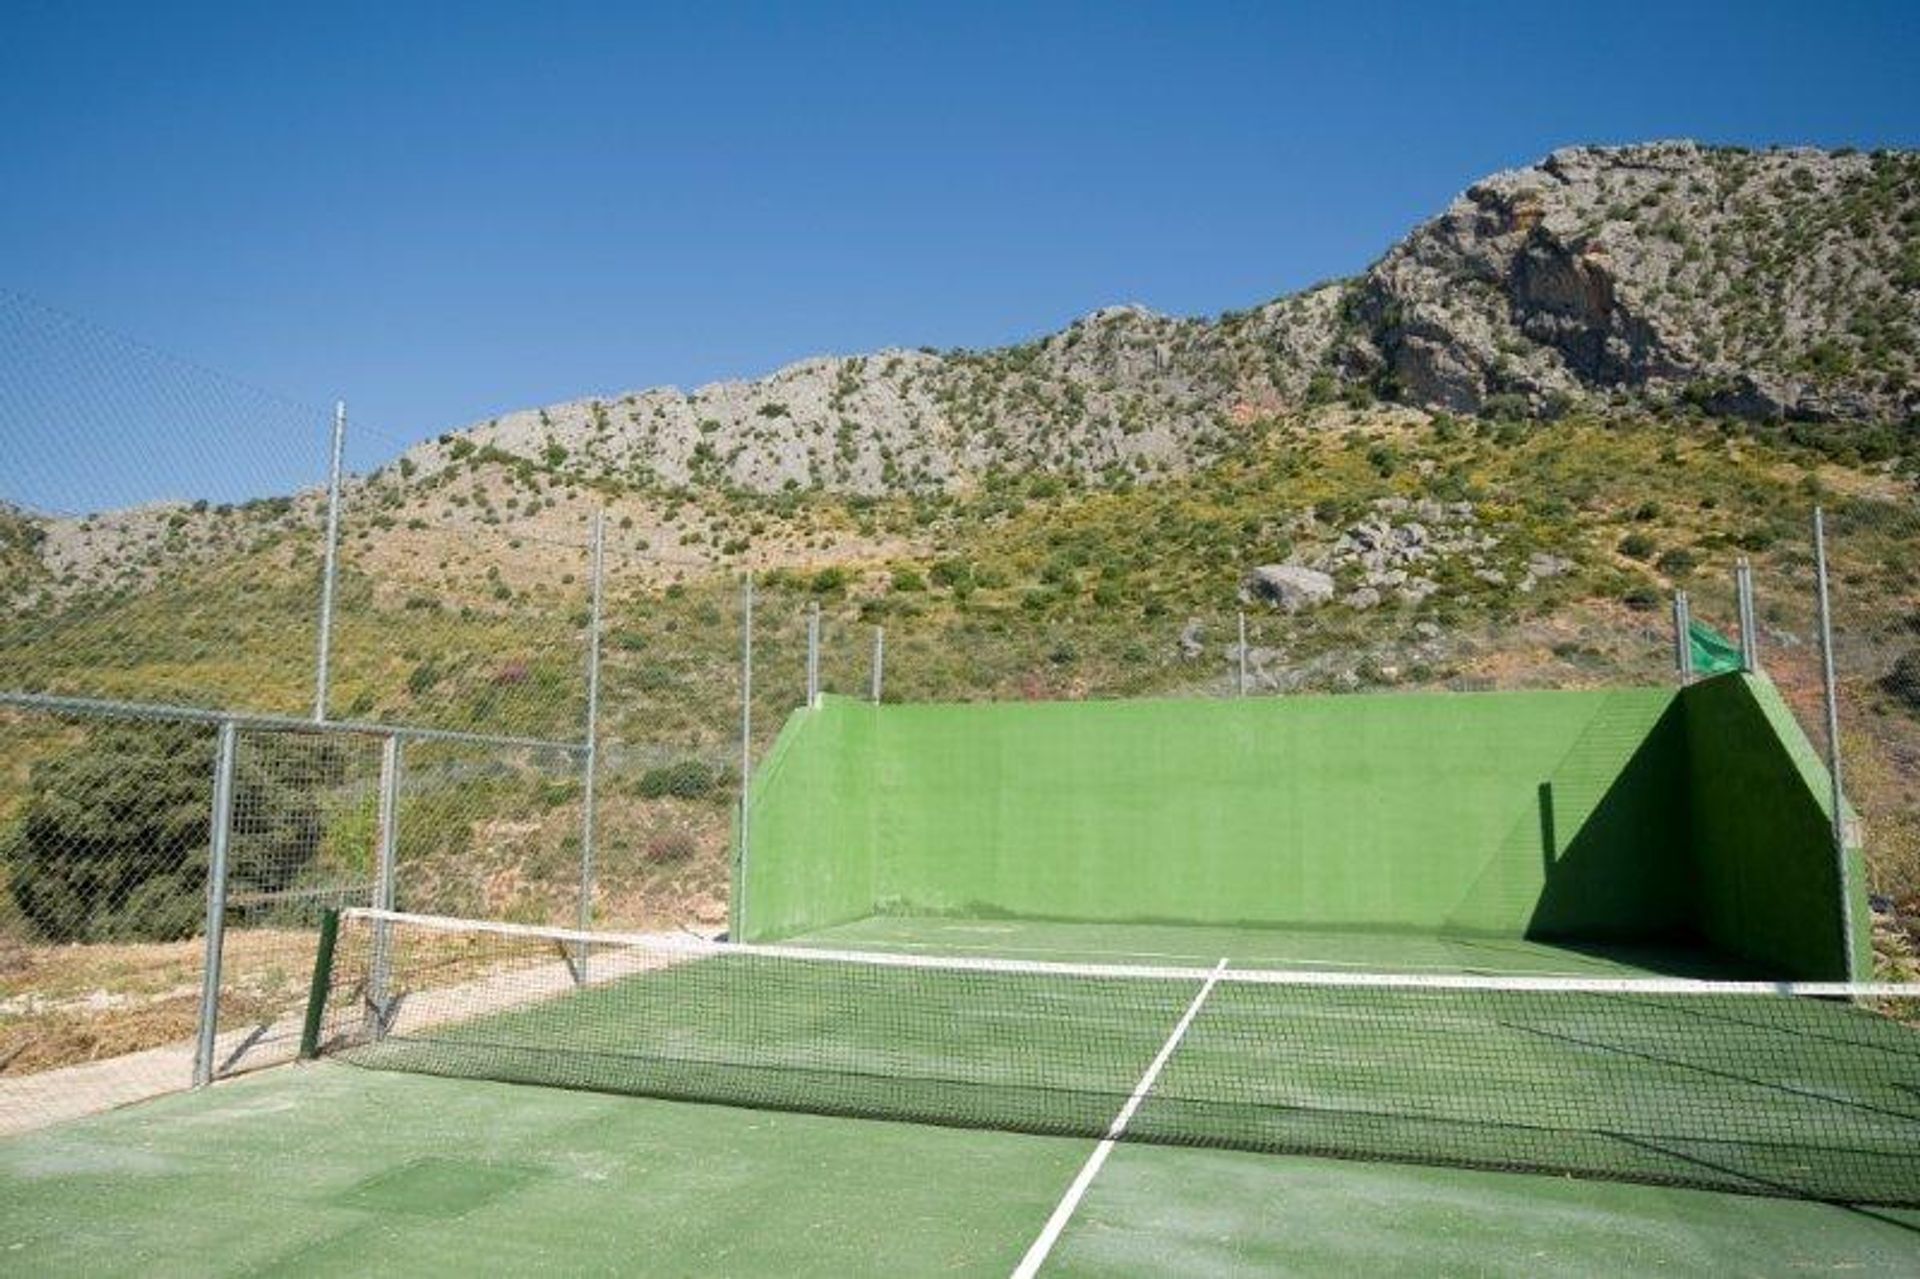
[442, 211]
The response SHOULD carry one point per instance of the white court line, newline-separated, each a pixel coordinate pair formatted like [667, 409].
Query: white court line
[1292, 963]
[1063, 1212]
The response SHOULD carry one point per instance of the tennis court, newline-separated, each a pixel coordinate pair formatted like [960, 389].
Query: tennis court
[358, 1164]
[1507, 984]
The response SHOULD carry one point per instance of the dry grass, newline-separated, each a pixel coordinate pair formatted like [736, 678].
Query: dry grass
[65, 1004]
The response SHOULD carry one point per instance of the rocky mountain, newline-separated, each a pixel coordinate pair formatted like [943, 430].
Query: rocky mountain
[1778, 284]
[1774, 285]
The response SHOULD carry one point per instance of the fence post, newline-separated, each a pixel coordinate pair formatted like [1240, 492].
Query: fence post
[1240, 679]
[329, 567]
[813, 653]
[879, 659]
[1836, 800]
[590, 767]
[1749, 626]
[738, 897]
[219, 832]
[1682, 638]
[590, 759]
[386, 856]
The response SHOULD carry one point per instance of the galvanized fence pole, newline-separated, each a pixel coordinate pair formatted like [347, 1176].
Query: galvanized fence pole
[386, 856]
[590, 757]
[879, 659]
[1749, 625]
[329, 567]
[219, 833]
[1240, 678]
[813, 653]
[1682, 638]
[590, 764]
[1835, 797]
[746, 752]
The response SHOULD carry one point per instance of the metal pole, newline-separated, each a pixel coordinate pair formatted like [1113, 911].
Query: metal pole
[879, 659]
[219, 831]
[813, 653]
[746, 753]
[1749, 628]
[324, 648]
[590, 765]
[1682, 638]
[1835, 798]
[386, 855]
[1240, 683]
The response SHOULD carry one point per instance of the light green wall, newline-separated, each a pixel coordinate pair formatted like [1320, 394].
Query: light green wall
[1645, 814]
[1421, 812]
[1762, 834]
[808, 850]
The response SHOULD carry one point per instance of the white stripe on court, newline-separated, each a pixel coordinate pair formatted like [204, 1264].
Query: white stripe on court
[1063, 1212]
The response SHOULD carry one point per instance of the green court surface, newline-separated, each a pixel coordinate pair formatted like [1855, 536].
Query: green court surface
[1750, 1090]
[329, 1169]
[1332, 950]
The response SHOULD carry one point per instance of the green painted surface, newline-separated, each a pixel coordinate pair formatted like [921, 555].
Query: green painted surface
[330, 1170]
[1627, 816]
[1501, 814]
[1762, 834]
[326, 1169]
[1201, 945]
[1806, 1097]
[813, 790]
[1201, 1212]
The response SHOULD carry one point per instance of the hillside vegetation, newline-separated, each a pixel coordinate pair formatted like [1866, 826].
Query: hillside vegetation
[1484, 462]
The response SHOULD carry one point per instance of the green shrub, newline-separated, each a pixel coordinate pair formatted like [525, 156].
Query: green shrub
[112, 842]
[1903, 681]
[1677, 563]
[1637, 546]
[684, 779]
[1641, 599]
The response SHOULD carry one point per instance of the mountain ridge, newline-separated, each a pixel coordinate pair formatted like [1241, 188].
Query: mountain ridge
[1664, 278]
[1770, 285]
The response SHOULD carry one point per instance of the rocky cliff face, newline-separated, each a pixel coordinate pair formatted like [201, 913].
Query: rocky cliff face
[1764, 285]
[1755, 284]
[1769, 284]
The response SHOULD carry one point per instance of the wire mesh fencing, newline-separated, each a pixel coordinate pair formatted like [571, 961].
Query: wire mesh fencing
[489, 829]
[303, 837]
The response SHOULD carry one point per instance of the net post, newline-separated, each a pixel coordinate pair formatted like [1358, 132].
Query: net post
[329, 566]
[219, 833]
[590, 764]
[1836, 800]
[1682, 638]
[391, 762]
[879, 659]
[1240, 678]
[813, 653]
[322, 981]
[738, 896]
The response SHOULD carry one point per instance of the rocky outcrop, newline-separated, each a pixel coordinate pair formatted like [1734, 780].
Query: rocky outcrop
[1771, 284]
[1774, 284]
[1288, 586]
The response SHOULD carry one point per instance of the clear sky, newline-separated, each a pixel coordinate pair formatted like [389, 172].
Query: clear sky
[442, 211]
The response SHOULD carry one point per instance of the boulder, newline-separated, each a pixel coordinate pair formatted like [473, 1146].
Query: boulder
[1289, 586]
[1542, 565]
[1191, 642]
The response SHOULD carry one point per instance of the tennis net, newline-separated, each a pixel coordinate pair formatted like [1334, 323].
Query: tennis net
[1809, 1091]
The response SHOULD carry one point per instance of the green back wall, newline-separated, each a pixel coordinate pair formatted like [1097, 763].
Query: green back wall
[1585, 815]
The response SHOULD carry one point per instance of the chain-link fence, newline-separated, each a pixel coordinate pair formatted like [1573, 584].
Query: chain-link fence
[462, 595]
